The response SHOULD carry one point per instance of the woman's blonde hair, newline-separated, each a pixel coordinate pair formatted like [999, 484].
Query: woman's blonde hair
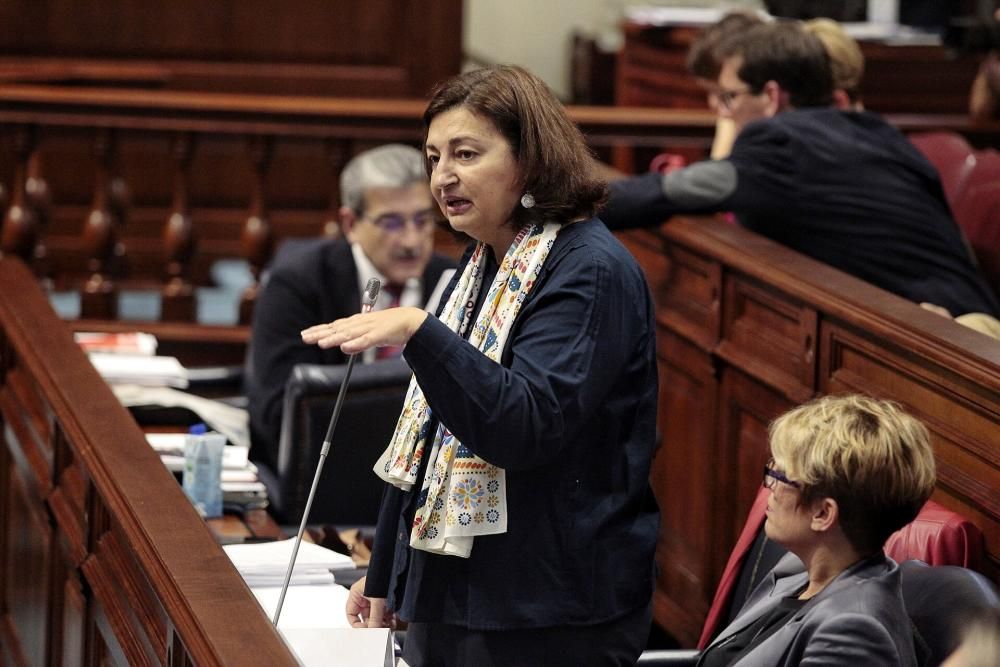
[870, 456]
[847, 63]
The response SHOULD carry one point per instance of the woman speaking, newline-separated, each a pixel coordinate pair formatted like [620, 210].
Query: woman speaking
[519, 527]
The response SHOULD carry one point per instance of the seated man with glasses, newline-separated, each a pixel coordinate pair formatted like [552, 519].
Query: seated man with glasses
[846, 472]
[839, 185]
[388, 218]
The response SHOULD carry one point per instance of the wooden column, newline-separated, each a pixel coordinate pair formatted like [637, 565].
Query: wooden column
[178, 304]
[36, 189]
[101, 233]
[257, 239]
[20, 225]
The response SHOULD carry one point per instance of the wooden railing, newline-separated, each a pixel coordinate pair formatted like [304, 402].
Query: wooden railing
[148, 188]
[746, 330]
[104, 560]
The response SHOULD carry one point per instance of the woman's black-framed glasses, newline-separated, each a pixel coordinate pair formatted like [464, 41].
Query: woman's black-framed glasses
[772, 476]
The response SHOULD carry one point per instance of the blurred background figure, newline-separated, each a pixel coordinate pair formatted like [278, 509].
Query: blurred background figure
[704, 62]
[388, 219]
[980, 645]
[984, 98]
[847, 63]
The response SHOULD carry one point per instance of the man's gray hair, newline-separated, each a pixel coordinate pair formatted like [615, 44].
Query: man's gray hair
[388, 166]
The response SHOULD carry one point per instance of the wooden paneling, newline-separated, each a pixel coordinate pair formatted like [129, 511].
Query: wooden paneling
[747, 406]
[898, 78]
[376, 48]
[962, 417]
[104, 559]
[747, 330]
[684, 486]
[690, 300]
[765, 330]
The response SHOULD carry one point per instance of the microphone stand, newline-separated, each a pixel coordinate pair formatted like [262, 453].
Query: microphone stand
[367, 303]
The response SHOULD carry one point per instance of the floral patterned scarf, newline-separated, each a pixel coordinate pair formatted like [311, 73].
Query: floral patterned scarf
[463, 495]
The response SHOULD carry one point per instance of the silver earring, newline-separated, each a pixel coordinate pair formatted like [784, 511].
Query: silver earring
[527, 200]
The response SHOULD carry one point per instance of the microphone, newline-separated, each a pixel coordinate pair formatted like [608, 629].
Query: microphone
[367, 303]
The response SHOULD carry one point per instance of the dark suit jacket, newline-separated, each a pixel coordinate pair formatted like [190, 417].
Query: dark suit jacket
[858, 619]
[843, 187]
[308, 283]
[570, 414]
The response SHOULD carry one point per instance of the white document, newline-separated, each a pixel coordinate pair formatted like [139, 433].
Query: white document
[140, 369]
[234, 423]
[342, 647]
[306, 606]
[266, 563]
[314, 625]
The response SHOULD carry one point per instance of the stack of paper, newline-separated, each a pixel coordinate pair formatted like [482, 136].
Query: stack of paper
[265, 563]
[306, 606]
[117, 343]
[235, 464]
[234, 423]
[140, 369]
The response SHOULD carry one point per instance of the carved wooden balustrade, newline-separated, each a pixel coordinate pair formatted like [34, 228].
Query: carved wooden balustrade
[112, 188]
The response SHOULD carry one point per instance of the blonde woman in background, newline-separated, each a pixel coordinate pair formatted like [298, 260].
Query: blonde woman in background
[847, 63]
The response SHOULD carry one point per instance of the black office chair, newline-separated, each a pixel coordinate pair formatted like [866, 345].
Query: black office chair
[349, 492]
[940, 600]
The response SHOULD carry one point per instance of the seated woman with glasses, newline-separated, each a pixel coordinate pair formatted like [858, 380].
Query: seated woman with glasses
[846, 472]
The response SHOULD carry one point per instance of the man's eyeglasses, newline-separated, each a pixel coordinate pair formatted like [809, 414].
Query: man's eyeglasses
[727, 97]
[394, 222]
[772, 476]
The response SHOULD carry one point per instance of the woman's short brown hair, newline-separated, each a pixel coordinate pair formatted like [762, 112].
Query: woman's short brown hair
[867, 454]
[556, 164]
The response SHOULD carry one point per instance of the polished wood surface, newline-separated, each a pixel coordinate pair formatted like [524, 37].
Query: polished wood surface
[376, 48]
[104, 560]
[748, 329]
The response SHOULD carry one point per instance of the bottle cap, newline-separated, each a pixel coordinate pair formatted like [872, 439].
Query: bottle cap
[198, 429]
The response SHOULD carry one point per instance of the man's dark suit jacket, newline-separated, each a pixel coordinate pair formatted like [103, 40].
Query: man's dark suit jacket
[843, 187]
[308, 283]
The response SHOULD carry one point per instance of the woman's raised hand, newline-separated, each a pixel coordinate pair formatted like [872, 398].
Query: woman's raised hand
[357, 333]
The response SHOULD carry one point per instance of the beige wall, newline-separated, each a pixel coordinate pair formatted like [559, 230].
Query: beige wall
[532, 33]
[537, 33]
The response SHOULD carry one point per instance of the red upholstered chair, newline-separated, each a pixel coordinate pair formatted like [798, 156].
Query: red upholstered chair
[937, 536]
[950, 154]
[977, 211]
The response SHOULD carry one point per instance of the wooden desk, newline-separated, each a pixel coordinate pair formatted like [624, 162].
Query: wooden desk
[104, 560]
